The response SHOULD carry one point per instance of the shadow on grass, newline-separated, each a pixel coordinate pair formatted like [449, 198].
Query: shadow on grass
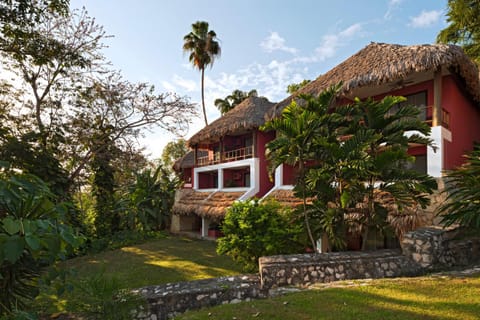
[160, 261]
[350, 303]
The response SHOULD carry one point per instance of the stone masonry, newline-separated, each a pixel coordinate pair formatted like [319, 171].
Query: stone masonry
[423, 250]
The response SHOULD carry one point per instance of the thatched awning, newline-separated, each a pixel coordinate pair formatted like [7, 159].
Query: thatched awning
[187, 161]
[249, 114]
[286, 198]
[211, 205]
[381, 63]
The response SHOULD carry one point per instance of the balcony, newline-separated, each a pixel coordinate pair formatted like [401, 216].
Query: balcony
[227, 156]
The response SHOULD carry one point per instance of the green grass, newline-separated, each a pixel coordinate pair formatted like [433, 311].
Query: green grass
[407, 298]
[171, 259]
[166, 260]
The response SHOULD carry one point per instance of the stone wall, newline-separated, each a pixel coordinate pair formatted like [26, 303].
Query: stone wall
[435, 248]
[423, 250]
[304, 269]
[167, 301]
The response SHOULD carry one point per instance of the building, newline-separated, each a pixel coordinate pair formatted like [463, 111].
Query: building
[228, 158]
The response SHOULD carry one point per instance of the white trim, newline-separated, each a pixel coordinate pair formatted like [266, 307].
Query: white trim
[279, 175]
[435, 156]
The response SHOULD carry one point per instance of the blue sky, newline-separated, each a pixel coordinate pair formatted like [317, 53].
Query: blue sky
[266, 44]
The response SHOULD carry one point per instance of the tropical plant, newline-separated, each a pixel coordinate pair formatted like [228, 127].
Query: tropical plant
[232, 100]
[252, 229]
[464, 27]
[297, 129]
[204, 49]
[152, 197]
[32, 236]
[462, 187]
[294, 87]
[173, 151]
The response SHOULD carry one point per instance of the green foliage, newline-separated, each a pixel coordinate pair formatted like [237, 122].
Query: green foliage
[294, 87]
[232, 100]
[173, 151]
[32, 235]
[151, 199]
[252, 229]
[297, 129]
[463, 27]
[462, 186]
[351, 162]
[102, 297]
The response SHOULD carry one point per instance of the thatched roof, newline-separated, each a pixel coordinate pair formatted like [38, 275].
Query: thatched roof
[381, 63]
[247, 115]
[211, 205]
[187, 161]
[286, 198]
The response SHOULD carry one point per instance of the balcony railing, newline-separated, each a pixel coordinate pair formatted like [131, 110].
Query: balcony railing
[228, 156]
[238, 154]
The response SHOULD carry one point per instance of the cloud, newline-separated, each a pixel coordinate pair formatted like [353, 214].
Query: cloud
[275, 42]
[187, 84]
[168, 86]
[392, 5]
[331, 42]
[425, 19]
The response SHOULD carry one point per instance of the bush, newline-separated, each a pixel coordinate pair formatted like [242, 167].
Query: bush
[32, 236]
[253, 229]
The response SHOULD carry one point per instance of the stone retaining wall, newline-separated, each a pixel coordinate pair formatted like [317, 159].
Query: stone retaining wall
[424, 250]
[166, 301]
[305, 269]
[436, 248]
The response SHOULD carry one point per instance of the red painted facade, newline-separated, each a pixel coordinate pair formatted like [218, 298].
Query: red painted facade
[265, 182]
[464, 123]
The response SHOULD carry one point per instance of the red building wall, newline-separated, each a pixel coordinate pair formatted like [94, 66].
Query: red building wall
[464, 123]
[265, 183]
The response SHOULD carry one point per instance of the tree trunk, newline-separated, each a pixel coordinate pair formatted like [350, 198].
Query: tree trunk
[304, 198]
[203, 98]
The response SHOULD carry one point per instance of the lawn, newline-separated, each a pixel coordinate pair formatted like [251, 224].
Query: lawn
[406, 298]
[171, 259]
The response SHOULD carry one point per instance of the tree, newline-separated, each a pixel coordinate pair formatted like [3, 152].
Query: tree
[204, 49]
[232, 100]
[32, 237]
[362, 179]
[296, 130]
[462, 186]
[152, 197]
[383, 125]
[294, 87]
[173, 151]
[254, 229]
[464, 27]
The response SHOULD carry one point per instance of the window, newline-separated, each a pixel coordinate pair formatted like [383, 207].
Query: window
[419, 165]
[417, 99]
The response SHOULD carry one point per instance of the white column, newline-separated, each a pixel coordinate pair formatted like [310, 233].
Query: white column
[195, 179]
[279, 176]
[435, 158]
[205, 225]
[220, 179]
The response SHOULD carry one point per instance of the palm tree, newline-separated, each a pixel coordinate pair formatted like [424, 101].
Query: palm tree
[203, 48]
[297, 129]
[390, 192]
[232, 100]
[463, 193]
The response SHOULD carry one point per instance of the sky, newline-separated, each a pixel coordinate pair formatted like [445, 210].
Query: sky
[266, 44]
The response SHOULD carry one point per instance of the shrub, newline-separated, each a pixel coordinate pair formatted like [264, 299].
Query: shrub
[253, 229]
[32, 236]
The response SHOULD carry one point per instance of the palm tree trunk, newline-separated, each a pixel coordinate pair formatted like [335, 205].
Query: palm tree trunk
[305, 213]
[203, 98]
